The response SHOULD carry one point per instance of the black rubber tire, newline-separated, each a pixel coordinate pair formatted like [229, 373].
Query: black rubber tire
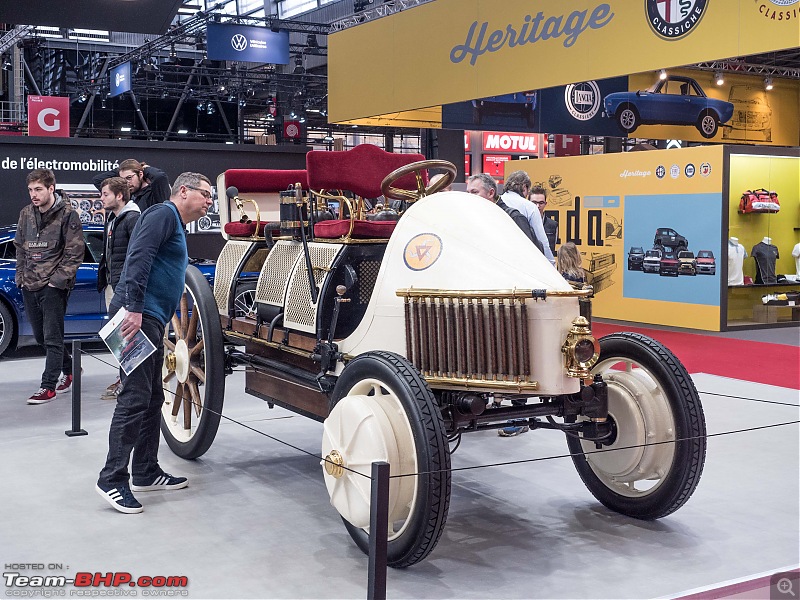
[8, 327]
[244, 298]
[622, 116]
[687, 465]
[707, 116]
[432, 450]
[212, 361]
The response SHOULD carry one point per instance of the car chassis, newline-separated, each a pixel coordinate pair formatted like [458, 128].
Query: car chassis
[401, 336]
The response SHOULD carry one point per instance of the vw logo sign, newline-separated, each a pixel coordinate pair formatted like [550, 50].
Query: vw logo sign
[674, 19]
[239, 42]
[582, 100]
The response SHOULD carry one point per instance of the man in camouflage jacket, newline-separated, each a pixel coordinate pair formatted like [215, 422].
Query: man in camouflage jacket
[50, 248]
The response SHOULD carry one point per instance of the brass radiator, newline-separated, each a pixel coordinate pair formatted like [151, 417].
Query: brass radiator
[468, 340]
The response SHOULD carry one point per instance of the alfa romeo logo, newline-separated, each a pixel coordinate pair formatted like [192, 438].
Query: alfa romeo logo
[674, 19]
[582, 100]
[239, 42]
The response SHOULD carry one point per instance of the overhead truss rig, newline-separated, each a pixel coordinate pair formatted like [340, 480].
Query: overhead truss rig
[734, 66]
[389, 7]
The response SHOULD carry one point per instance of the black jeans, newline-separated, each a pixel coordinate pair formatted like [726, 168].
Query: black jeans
[46, 309]
[137, 416]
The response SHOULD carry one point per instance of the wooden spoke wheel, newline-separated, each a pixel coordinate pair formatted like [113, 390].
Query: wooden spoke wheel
[193, 371]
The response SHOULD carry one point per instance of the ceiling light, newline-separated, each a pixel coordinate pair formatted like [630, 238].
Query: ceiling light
[662, 74]
[125, 128]
[768, 83]
[183, 131]
[718, 78]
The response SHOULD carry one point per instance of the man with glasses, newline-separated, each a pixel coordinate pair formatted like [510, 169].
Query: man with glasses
[515, 194]
[149, 289]
[147, 185]
[538, 196]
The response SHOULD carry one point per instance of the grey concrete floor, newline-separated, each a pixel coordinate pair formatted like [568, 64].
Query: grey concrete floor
[256, 522]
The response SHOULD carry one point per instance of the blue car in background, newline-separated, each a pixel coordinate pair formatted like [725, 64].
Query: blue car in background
[519, 104]
[676, 100]
[86, 311]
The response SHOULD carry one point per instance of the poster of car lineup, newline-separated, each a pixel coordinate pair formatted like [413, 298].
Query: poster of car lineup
[686, 104]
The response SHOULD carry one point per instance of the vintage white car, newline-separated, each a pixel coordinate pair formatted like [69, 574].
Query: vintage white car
[402, 335]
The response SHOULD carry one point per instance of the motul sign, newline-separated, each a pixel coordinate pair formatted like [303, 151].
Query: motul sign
[511, 142]
[48, 116]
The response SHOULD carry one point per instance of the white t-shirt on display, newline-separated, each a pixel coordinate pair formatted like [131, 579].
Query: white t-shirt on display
[736, 256]
[796, 254]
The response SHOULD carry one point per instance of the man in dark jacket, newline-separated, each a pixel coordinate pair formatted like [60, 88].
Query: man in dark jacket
[147, 185]
[50, 248]
[538, 196]
[122, 215]
[484, 185]
[149, 289]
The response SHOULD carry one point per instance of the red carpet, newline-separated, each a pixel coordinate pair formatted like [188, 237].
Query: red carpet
[773, 364]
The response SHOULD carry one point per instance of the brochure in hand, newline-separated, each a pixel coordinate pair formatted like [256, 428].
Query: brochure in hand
[129, 354]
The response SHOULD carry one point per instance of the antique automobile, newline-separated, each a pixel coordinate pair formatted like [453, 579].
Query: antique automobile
[401, 336]
[635, 258]
[752, 115]
[676, 100]
[687, 263]
[669, 264]
[652, 261]
[706, 263]
[518, 104]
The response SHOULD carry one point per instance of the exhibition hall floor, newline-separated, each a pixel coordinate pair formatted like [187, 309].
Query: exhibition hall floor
[256, 522]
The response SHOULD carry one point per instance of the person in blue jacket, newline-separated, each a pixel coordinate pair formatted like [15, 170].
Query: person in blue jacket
[149, 289]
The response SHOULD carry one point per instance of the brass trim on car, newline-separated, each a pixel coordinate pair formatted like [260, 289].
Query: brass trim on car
[512, 294]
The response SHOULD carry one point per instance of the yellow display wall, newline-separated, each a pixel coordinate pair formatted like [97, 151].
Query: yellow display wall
[608, 203]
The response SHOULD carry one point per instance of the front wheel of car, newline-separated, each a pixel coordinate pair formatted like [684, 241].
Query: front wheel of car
[655, 460]
[708, 124]
[628, 118]
[382, 410]
[7, 327]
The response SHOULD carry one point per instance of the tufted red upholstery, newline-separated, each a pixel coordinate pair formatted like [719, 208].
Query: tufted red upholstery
[253, 181]
[362, 230]
[359, 170]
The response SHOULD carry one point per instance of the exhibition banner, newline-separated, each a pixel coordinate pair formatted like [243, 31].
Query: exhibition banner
[467, 49]
[247, 43]
[48, 116]
[120, 79]
[617, 206]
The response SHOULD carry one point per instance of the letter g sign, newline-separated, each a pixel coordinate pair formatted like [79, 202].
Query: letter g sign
[41, 119]
[48, 116]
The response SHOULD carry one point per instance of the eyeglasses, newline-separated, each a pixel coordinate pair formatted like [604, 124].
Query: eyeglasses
[204, 193]
[129, 177]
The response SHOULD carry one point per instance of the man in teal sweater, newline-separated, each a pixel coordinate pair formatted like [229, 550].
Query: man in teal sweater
[149, 289]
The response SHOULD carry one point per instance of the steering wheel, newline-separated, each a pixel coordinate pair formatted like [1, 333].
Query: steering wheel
[394, 193]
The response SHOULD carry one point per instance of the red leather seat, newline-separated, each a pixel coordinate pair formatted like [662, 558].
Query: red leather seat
[362, 230]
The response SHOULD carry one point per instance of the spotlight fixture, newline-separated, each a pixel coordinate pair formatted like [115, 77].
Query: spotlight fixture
[299, 69]
[201, 106]
[768, 83]
[7, 64]
[242, 103]
[662, 74]
[103, 103]
[719, 78]
[210, 109]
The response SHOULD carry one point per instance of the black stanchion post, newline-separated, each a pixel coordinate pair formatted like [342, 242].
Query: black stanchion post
[378, 531]
[76, 391]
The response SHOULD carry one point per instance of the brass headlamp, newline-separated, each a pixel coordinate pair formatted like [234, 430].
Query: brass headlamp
[580, 349]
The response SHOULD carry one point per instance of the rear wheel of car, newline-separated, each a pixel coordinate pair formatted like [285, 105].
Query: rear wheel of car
[708, 124]
[628, 118]
[7, 327]
[656, 458]
[193, 371]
